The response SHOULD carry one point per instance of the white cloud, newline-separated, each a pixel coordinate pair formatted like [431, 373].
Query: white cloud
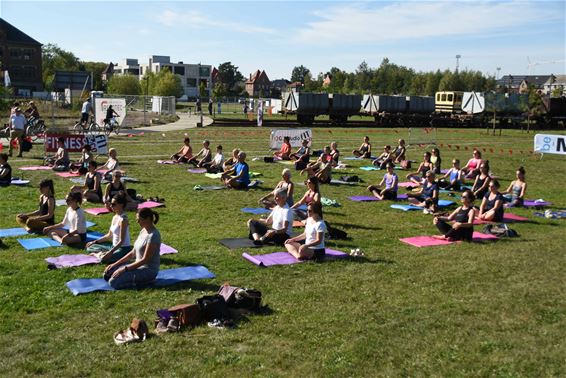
[198, 20]
[368, 23]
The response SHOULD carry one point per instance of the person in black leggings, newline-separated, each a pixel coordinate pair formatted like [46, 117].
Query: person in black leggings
[463, 217]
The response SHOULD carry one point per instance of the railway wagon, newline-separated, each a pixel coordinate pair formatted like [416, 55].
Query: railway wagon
[309, 105]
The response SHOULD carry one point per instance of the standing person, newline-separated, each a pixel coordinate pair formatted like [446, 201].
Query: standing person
[390, 180]
[75, 221]
[124, 274]
[204, 154]
[199, 105]
[245, 108]
[238, 177]
[280, 220]
[85, 111]
[365, 149]
[5, 170]
[463, 217]
[43, 217]
[119, 234]
[315, 228]
[210, 106]
[515, 193]
[17, 130]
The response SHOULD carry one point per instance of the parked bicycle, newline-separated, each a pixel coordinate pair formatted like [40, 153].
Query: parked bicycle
[90, 127]
[35, 129]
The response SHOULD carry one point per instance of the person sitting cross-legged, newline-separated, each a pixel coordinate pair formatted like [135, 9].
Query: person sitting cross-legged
[390, 180]
[463, 217]
[427, 196]
[280, 220]
[238, 177]
[315, 228]
[204, 154]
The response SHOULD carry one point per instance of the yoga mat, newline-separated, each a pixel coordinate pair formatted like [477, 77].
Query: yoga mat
[340, 182]
[371, 198]
[255, 210]
[428, 241]
[196, 170]
[399, 206]
[19, 182]
[254, 183]
[370, 168]
[165, 249]
[286, 162]
[166, 162]
[533, 203]
[67, 261]
[208, 187]
[507, 218]
[406, 184]
[39, 243]
[60, 202]
[444, 203]
[36, 168]
[11, 232]
[97, 210]
[149, 205]
[67, 174]
[560, 214]
[164, 278]
[213, 175]
[235, 243]
[298, 224]
[77, 180]
[285, 258]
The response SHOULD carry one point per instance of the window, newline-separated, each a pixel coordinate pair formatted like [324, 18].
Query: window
[15, 53]
[28, 54]
[179, 70]
[443, 97]
[204, 71]
[191, 82]
[450, 97]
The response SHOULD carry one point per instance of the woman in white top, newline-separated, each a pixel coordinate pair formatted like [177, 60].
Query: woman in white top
[119, 234]
[215, 165]
[74, 220]
[315, 228]
[111, 164]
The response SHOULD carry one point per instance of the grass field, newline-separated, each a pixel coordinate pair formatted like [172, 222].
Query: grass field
[493, 309]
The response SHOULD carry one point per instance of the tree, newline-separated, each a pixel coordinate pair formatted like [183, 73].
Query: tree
[230, 77]
[219, 90]
[167, 84]
[124, 85]
[299, 73]
[202, 89]
[96, 68]
[55, 58]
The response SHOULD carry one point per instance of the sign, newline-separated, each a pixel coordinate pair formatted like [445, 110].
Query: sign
[75, 142]
[473, 102]
[550, 144]
[296, 137]
[101, 104]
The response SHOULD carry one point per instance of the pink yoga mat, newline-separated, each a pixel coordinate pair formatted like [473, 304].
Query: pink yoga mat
[196, 170]
[36, 168]
[149, 205]
[97, 210]
[407, 183]
[65, 261]
[507, 218]
[371, 198]
[67, 174]
[284, 258]
[166, 250]
[428, 241]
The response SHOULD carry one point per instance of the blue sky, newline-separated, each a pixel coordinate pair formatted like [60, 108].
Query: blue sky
[276, 36]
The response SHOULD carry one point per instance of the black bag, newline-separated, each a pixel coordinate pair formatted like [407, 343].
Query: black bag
[244, 298]
[26, 145]
[353, 178]
[335, 233]
[132, 192]
[499, 230]
[213, 307]
[268, 159]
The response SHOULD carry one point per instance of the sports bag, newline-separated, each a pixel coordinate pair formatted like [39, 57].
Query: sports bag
[213, 307]
[187, 314]
[243, 298]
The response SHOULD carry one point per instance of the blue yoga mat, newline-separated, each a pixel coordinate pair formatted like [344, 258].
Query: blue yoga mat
[441, 203]
[39, 243]
[164, 278]
[444, 203]
[10, 232]
[255, 210]
[370, 168]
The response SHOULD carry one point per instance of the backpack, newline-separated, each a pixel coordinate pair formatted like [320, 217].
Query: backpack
[500, 230]
[353, 178]
[243, 298]
[26, 145]
[213, 307]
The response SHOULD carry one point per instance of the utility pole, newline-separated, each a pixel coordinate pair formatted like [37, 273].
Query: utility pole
[458, 61]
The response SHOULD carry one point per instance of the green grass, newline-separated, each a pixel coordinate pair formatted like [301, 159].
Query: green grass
[461, 310]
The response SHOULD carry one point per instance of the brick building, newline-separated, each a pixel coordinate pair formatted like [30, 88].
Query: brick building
[258, 83]
[20, 55]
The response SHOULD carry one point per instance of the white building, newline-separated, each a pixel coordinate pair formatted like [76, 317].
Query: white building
[555, 81]
[191, 74]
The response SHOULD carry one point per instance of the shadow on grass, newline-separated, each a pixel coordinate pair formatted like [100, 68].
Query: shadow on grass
[356, 226]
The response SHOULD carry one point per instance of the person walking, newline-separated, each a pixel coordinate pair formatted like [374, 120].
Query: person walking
[17, 130]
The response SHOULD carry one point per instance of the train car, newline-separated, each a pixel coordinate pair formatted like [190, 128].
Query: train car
[342, 106]
[448, 102]
[306, 105]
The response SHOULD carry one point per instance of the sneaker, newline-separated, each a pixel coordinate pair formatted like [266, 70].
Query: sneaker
[215, 323]
[258, 242]
[161, 326]
[173, 325]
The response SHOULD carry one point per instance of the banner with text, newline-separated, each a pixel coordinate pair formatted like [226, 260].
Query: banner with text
[550, 144]
[102, 104]
[296, 137]
[75, 142]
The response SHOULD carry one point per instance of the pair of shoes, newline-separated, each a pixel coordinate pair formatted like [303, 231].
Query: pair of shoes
[222, 323]
[356, 252]
[427, 211]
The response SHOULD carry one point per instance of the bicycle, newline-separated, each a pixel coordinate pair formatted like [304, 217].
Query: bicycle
[111, 125]
[35, 129]
[91, 127]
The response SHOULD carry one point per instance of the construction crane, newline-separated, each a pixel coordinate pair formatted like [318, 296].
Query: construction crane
[531, 66]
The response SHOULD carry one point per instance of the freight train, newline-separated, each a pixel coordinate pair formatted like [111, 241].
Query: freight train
[445, 109]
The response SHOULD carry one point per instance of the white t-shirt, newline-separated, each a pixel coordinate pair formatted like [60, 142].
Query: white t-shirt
[75, 220]
[86, 107]
[116, 230]
[218, 159]
[311, 229]
[280, 215]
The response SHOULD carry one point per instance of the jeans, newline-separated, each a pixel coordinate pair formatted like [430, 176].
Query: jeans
[131, 279]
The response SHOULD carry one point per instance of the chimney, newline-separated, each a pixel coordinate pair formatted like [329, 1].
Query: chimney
[250, 77]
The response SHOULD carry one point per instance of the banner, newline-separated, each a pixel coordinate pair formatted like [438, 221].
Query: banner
[550, 144]
[101, 104]
[296, 137]
[75, 142]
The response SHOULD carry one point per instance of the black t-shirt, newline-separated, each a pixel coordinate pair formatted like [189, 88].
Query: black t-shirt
[6, 172]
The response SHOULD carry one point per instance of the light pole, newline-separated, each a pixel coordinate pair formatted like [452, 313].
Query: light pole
[458, 61]
[497, 73]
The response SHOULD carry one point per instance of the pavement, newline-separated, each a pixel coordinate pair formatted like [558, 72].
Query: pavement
[185, 121]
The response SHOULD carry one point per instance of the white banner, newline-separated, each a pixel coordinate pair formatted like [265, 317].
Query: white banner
[296, 137]
[101, 104]
[550, 144]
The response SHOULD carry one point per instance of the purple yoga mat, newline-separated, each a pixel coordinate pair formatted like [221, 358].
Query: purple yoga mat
[532, 203]
[36, 168]
[67, 261]
[196, 170]
[285, 258]
[166, 250]
[371, 198]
